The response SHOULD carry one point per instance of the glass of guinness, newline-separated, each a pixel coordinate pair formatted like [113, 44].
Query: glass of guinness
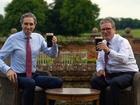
[49, 39]
[98, 40]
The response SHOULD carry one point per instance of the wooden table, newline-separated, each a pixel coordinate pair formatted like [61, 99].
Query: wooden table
[73, 95]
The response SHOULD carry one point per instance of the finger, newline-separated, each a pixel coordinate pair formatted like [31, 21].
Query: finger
[104, 74]
[14, 78]
[97, 73]
[98, 46]
[10, 78]
[100, 73]
[99, 43]
[54, 39]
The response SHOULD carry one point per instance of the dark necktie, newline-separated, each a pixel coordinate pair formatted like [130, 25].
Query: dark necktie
[106, 56]
[28, 58]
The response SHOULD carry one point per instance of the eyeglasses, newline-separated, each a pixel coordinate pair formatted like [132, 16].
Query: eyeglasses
[106, 29]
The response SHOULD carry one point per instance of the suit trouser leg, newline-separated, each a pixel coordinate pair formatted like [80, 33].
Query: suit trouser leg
[117, 81]
[28, 86]
[100, 84]
[116, 84]
[48, 82]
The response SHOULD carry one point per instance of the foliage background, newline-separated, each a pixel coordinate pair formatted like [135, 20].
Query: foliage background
[62, 17]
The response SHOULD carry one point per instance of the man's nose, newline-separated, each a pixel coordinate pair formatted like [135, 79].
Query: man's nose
[104, 31]
[28, 25]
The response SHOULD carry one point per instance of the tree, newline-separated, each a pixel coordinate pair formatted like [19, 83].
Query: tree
[78, 16]
[1, 24]
[73, 17]
[54, 22]
[15, 9]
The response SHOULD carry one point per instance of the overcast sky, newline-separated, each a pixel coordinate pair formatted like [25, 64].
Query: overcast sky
[113, 8]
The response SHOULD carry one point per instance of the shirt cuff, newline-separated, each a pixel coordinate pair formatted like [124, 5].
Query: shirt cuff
[6, 69]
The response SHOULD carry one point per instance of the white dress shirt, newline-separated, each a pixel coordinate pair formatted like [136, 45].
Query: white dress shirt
[120, 58]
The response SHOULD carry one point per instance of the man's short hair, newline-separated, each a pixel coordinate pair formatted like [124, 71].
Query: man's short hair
[108, 20]
[28, 14]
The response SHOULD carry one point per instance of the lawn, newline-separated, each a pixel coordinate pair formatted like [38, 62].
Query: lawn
[135, 32]
[83, 38]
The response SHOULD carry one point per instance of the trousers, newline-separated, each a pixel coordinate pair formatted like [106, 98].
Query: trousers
[28, 86]
[116, 82]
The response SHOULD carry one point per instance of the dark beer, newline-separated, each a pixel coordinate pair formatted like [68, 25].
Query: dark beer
[49, 39]
[97, 41]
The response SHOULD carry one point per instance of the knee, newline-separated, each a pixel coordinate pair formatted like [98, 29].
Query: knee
[114, 84]
[59, 82]
[30, 84]
[93, 82]
[56, 82]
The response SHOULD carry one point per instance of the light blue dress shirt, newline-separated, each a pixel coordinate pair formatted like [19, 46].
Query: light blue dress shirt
[15, 47]
[121, 57]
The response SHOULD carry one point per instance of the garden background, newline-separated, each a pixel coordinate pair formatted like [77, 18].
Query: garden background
[72, 21]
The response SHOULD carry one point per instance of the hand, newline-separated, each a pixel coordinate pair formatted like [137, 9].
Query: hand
[54, 40]
[12, 76]
[103, 46]
[100, 73]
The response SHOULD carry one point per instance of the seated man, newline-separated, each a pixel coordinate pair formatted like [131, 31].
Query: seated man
[24, 47]
[116, 64]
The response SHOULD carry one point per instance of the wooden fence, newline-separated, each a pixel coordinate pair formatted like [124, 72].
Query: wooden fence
[64, 57]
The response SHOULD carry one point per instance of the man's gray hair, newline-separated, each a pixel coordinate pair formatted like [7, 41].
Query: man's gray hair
[108, 20]
[28, 14]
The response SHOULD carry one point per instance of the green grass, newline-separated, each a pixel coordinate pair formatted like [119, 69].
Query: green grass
[135, 33]
[82, 38]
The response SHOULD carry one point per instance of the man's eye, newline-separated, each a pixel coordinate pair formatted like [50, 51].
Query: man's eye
[107, 29]
[31, 24]
[28, 24]
[25, 23]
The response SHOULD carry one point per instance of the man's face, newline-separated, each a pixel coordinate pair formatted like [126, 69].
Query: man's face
[107, 31]
[28, 25]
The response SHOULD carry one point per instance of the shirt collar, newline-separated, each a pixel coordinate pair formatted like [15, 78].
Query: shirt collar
[24, 35]
[113, 39]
